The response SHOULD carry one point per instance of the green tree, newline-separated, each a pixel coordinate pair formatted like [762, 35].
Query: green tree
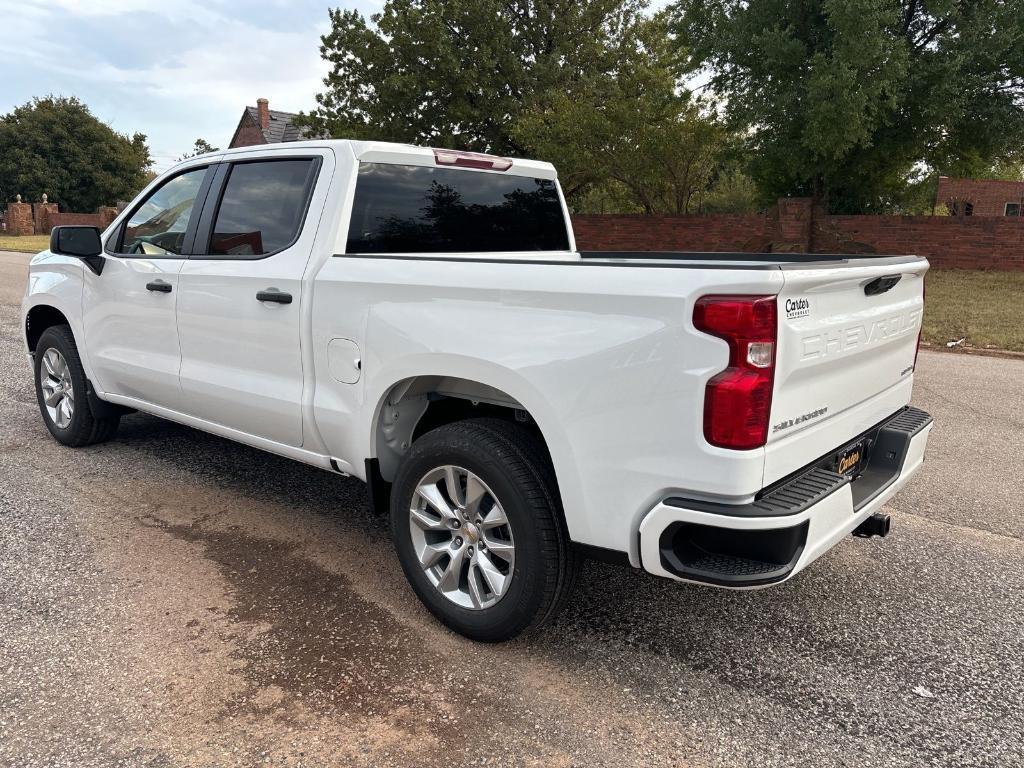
[459, 73]
[630, 154]
[732, 191]
[848, 100]
[54, 145]
[592, 86]
[201, 147]
[631, 141]
[1009, 167]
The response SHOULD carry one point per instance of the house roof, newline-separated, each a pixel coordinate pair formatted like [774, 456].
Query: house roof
[281, 126]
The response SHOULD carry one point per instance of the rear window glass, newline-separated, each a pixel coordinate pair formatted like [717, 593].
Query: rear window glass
[262, 208]
[421, 209]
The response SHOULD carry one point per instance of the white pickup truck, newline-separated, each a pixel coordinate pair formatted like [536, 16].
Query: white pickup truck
[421, 320]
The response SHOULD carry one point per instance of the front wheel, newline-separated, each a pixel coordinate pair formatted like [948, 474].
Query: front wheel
[477, 525]
[61, 392]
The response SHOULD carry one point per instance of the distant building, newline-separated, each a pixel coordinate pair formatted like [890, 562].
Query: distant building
[263, 125]
[980, 197]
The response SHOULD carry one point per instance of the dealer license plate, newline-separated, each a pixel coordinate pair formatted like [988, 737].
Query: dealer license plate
[851, 460]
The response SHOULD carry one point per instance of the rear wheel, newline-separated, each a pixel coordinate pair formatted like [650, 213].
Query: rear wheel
[477, 525]
[61, 391]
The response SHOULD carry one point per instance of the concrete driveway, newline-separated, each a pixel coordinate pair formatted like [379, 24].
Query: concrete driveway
[174, 599]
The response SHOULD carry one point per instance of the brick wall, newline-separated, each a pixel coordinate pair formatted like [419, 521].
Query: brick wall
[40, 213]
[19, 219]
[40, 218]
[960, 242]
[723, 232]
[101, 219]
[988, 197]
[968, 242]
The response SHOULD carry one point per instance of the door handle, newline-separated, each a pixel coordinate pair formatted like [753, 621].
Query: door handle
[159, 286]
[275, 296]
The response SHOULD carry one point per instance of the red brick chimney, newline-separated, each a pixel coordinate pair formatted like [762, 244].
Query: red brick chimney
[263, 107]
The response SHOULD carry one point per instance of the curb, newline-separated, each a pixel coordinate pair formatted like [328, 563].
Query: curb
[1006, 354]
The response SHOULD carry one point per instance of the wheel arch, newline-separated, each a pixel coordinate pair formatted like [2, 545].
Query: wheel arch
[413, 404]
[38, 319]
[416, 404]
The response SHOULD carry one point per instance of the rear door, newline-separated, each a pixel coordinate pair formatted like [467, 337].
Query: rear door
[241, 294]
[848, 333]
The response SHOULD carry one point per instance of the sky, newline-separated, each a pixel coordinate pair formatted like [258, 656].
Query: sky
[175, 70]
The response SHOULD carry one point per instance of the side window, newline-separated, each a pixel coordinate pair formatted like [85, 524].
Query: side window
[262, 207]
[158, 226]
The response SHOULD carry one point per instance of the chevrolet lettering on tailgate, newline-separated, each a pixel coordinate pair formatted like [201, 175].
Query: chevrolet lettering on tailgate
[857, 336]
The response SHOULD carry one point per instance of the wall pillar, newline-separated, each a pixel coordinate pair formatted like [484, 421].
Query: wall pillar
[42, 212]
[19, 219]
[107, 214]
[795, 227]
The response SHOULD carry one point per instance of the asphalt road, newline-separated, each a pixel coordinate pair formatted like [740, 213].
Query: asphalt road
[174, 599]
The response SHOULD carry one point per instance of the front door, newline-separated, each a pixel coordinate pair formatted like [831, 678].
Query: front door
[129, 309]
[240, 297]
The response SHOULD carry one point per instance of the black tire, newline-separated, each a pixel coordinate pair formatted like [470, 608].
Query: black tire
[512, 463]
[84, 428]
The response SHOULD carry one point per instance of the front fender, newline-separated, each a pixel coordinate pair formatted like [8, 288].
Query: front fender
[56, 281]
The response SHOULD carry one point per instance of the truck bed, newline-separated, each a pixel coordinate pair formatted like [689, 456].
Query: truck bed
[745, 260]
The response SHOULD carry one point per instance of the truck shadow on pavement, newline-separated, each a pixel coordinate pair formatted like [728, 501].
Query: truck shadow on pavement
[319, 617]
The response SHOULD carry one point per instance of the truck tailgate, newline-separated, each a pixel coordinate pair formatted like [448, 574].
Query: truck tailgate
[847, 342]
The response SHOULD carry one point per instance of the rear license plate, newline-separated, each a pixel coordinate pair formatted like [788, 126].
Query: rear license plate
[850, 461]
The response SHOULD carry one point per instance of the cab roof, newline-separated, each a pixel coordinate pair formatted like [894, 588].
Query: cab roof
[409, 154]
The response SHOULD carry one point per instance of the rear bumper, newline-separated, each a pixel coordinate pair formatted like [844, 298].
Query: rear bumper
[790, 524]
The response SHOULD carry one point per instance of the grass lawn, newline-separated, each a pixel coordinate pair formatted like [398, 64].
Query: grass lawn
[985, 307]
[28, 243]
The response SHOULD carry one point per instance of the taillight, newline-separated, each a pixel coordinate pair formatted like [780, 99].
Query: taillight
[471, 160]
[920, 331]
[738, 401]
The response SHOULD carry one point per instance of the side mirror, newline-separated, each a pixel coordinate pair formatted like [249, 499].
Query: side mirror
[81, 242]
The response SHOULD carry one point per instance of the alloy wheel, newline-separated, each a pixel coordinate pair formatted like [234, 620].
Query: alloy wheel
[58, 389]
[461, 537]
